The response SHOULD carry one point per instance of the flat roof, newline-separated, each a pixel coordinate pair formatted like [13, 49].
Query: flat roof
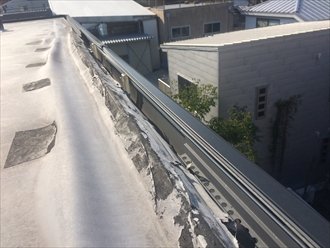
[66, 178]
[68, 175]
[99, 8]
[250, 35]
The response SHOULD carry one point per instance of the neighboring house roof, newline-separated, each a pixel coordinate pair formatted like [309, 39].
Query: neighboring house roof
[109, 8]
[314, 10]
[301, 10]
[2, 2]
[249, 35]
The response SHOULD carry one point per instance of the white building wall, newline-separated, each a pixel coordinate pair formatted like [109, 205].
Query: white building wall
[199, 65]
[289, 66]
[251, 21]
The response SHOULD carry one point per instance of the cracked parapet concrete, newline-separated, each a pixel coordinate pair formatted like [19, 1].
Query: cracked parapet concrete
[31, 144]
[145, 159]
[36, 84]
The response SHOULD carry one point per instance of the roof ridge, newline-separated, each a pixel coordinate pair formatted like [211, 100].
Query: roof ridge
[296, 9]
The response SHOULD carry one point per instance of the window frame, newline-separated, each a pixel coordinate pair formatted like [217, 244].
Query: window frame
[259, 103]
[267, 19]
[23, 8]
[186, 80]
[212, 23]
[180, 37]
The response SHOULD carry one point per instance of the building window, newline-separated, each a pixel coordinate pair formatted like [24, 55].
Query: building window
[239, 20]
[183, 82]
[120, 28]
[212, 28]
[324, 150]
[261, 102]
[181, 32]
[24, 8]
[261, 22]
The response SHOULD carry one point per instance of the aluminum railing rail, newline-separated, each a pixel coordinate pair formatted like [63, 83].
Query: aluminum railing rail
[275, 216]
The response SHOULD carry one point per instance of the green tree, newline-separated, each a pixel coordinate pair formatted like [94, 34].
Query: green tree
[197, 98]
[238, 130]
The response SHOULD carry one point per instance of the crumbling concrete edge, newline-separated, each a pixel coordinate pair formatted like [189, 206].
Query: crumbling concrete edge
[160, 179]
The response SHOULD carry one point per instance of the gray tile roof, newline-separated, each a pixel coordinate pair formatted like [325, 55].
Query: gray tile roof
[249, 35]
[275, 6]
[306, 10]
[313, 10]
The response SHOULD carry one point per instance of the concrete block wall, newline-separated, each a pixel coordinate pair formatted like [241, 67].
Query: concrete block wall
[288, 65]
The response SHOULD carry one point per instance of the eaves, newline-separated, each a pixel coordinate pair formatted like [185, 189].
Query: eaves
[202, 47]
[276, 15]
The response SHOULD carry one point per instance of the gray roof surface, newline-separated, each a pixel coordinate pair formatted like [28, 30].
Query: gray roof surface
[306, 10]
[99, 8]
[251, 35]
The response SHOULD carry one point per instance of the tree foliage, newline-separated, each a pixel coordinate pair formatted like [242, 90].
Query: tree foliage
[197, 98]
[238, 130]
